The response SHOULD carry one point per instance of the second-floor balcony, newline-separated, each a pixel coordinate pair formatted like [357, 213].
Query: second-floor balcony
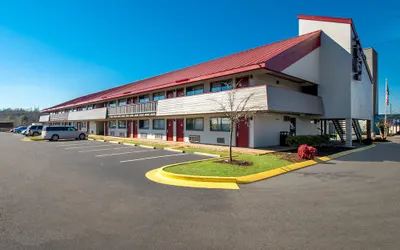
[137, 109]
[59, 117]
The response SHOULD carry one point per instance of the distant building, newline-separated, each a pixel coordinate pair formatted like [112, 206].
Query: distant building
[303, 85]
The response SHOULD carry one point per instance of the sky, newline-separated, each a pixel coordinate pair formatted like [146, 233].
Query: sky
[53, 51]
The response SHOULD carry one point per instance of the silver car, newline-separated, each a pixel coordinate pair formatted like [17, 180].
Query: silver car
[54, 133]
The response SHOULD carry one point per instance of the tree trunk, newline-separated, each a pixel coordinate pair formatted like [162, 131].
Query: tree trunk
[230, 141]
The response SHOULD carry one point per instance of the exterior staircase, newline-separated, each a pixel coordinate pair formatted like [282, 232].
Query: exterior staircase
[340, 127]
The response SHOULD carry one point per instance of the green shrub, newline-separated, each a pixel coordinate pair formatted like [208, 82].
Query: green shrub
[311, 140]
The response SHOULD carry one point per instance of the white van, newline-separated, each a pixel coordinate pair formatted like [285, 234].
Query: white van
[53, 133]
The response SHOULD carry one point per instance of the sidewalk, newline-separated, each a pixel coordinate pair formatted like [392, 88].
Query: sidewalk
[172, 144]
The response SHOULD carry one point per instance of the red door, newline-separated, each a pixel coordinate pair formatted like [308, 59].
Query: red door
[135, 99]
[105, 128]
[129, 129]
[170, 94]
[242, 82]
[134, 124]
[242, 134]
[129, 101]
[179, 130]
[170, 129]
[180, 92]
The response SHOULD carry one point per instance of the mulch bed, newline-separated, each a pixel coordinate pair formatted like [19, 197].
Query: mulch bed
[291, 155]
[236, 162]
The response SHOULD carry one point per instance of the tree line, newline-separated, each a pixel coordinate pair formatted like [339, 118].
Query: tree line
[20, 116]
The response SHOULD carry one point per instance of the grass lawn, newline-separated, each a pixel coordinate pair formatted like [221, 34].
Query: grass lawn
[211, 168]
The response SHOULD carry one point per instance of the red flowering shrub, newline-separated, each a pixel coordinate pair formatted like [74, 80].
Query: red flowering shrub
[307, 152]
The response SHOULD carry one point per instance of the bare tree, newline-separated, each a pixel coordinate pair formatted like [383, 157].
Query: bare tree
[23, 119]
[236, 108]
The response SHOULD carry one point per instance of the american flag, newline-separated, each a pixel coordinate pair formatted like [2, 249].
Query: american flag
[387, 93]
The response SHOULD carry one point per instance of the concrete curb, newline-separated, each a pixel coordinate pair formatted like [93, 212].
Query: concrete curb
[244, 179]
[90, 139]
[174, 150]
[129, 144]
[145, 146]
[115, 142]
[207, 154]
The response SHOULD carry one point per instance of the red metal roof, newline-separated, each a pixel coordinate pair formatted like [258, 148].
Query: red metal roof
[276, 56]
[326, 19]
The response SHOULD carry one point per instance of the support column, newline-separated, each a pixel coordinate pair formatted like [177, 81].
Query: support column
[349, 133]
[369, 129]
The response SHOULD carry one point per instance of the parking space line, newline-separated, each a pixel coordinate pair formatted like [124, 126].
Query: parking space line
[103, 149]
[89, 146]
[75, 144]
[123, 153]
[154, 157]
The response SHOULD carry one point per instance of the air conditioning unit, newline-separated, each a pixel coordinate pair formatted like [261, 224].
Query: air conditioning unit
[143, 135]
[122, 134]
[194, 138]
[221, 140]
[112, 133]
[158, 136]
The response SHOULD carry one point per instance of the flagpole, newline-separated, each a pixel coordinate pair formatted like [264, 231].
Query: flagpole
[386, 104]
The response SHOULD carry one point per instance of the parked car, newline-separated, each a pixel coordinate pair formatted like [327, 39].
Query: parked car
[23, 132]
[54, 133]
[18, 130]
[34, 130]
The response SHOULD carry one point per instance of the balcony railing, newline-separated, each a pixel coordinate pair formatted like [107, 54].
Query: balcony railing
[59, 117]
[138, 109]
[92, 114]
[263, 98]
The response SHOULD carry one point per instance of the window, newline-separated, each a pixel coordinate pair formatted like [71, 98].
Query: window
[158, 124]
[112, 124]
[112, 104]
[195, 90]
[121, 124]
[71, 129]
[144, 124]
[122, 102]
[194, 123]
[219, 124]
[144, 98]
[84, 108]
[90, 107]
[158, 96]
[83, 124]
[221, 85]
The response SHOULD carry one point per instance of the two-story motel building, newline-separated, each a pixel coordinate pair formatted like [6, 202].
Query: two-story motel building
[299, 85]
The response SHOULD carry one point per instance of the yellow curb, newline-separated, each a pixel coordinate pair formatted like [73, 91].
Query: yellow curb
[164, 177]
[154, 175]
[278, 171]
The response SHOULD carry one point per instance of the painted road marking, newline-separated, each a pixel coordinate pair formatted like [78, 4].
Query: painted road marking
[123, 153]
[103, 149]
[75, 144]
[154, 157]
[98, 146]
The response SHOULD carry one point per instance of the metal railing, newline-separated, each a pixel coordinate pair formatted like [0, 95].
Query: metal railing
[137, 109]
[59, 117]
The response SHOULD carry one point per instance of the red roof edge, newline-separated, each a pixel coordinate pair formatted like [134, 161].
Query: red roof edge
[288, 57]
[326, 19]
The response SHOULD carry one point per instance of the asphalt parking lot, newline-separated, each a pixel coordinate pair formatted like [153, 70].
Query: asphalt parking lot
[76, 195]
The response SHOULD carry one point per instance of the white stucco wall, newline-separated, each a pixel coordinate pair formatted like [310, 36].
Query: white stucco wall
[92, 127]
[263, 79]
[306, 68]
[306, 126]
[335, 66]
[361, 97]
[267, 128]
